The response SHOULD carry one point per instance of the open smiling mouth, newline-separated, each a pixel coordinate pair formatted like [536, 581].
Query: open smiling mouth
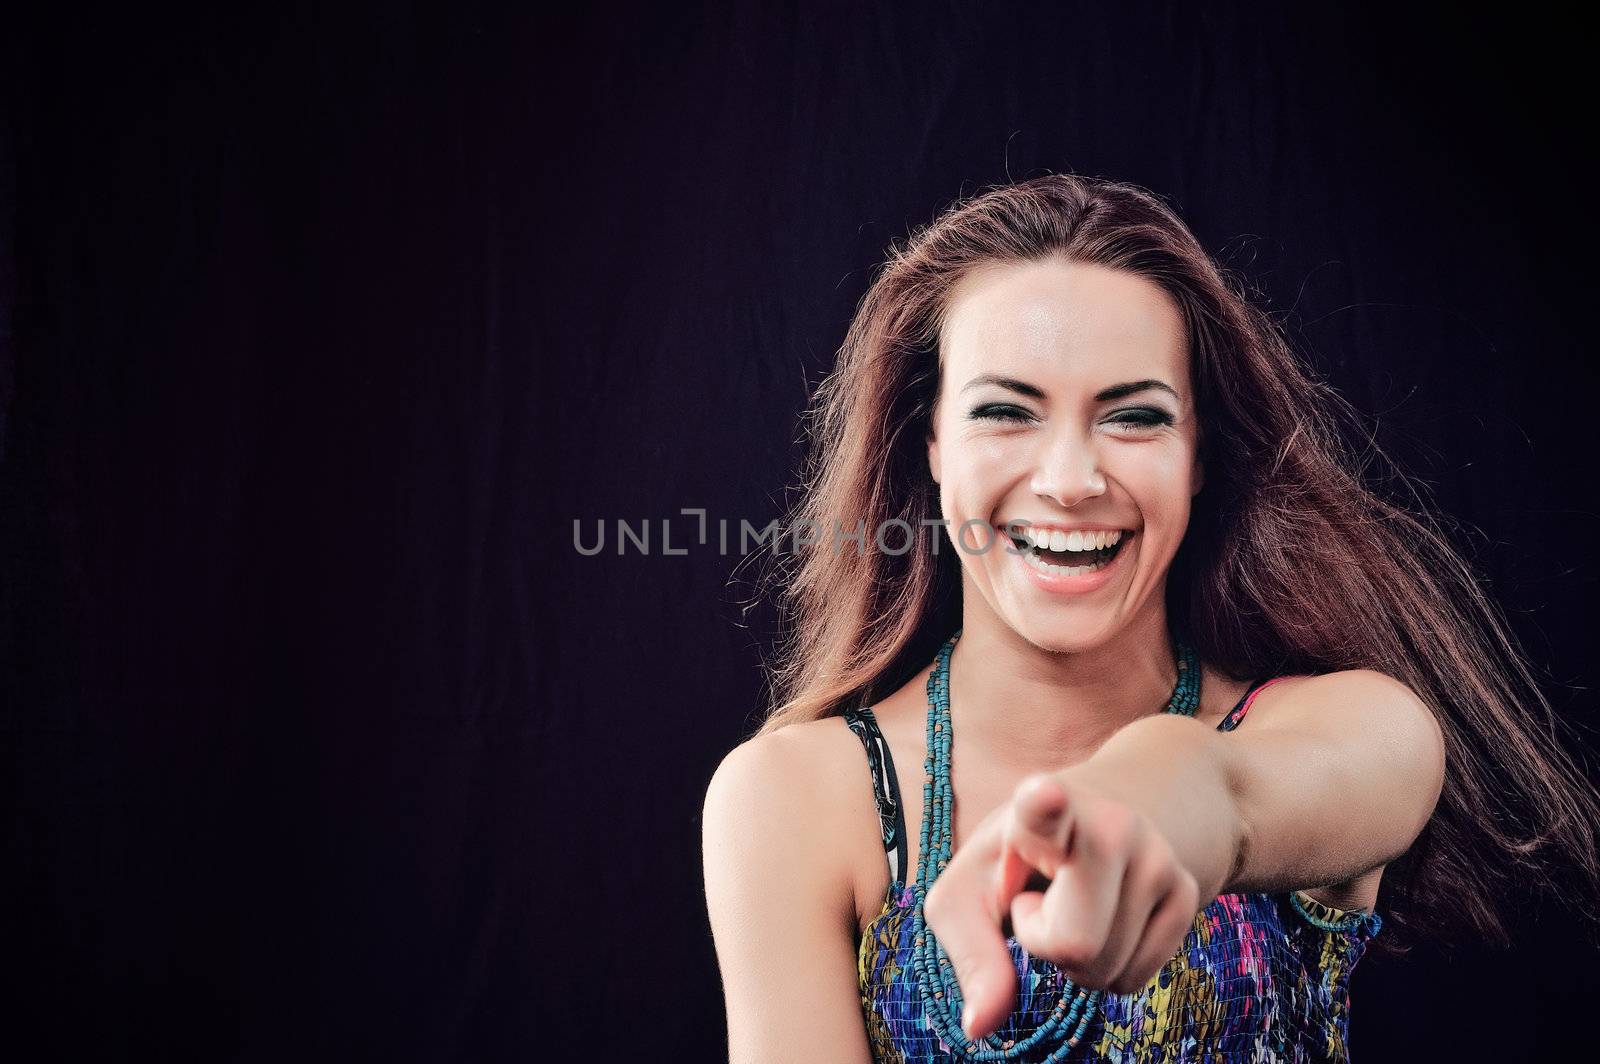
[1070, 562]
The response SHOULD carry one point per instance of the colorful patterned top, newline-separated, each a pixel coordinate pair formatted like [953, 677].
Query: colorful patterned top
[1260, 977]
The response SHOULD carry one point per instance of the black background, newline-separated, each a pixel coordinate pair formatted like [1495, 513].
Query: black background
[320, 740]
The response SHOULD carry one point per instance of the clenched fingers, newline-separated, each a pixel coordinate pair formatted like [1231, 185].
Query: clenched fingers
[1072, 921]
[1117, 909]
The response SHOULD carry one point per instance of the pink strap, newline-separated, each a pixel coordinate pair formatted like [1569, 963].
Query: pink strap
[1252, 697]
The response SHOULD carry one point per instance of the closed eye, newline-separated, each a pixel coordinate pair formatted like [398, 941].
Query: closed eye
[1000, 412]
[1139, 417]
[1143, 417]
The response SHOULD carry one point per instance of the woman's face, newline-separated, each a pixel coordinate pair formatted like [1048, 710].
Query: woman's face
[1064, 402]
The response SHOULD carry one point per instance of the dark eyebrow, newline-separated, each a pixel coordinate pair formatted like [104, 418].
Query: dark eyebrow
[1008, 383]
[1116, 391]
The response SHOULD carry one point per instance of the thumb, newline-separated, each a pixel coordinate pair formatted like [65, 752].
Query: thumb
[1040, 826]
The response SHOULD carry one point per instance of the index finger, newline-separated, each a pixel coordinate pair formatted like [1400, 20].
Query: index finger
[961, 911]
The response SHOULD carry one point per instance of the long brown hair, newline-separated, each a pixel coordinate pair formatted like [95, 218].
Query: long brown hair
[1263, 583]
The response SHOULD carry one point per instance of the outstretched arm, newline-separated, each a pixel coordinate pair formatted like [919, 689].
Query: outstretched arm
[1333, 776]
[1328, 777]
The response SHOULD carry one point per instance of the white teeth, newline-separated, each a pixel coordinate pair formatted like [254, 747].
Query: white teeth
[1043, 566]
[1055, 539]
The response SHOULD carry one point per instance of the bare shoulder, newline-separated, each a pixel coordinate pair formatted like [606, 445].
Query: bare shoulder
[780, 896]
[1364, 698]
[800, 764]
[1397, 729]
[799, 786]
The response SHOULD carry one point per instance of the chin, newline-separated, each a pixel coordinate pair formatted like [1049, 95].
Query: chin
[1060, 637]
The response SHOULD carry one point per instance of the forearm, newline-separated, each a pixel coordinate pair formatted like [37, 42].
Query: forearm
[1325, 806]
[1171, 770]
[1339, 780]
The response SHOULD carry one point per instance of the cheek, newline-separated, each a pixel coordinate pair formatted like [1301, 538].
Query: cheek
[976, 475]
[1161, 479]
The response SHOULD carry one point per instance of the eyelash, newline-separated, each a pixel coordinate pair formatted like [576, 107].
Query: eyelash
[1144, 416]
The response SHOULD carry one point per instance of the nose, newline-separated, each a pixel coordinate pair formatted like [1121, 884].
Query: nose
[1068, 471]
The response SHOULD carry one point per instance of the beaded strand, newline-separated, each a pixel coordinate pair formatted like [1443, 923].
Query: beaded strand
[936, 983]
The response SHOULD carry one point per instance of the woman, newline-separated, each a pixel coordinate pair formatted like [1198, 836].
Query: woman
[1218, 703]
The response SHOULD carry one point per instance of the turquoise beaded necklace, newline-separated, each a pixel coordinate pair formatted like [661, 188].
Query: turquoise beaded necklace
[936, 982]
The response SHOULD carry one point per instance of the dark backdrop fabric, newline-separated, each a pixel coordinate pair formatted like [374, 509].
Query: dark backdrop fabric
[320, 740]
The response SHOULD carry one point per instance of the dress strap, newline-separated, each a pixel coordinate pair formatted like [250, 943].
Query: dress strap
[1236, 714]
[885, 788]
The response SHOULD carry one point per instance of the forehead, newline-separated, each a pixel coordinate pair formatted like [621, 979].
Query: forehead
[1062, 319]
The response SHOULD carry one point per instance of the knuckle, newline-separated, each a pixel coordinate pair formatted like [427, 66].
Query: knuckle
[1075, 951]
[1186, 892]
[1117, 827]
[1154, 873]
[1098, 975]
[1029, 782]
